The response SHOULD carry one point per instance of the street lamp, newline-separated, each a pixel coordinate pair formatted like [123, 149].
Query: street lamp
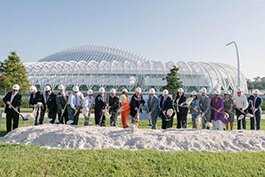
[238, 64]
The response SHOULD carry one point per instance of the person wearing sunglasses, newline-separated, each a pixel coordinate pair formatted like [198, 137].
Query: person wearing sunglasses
[13, 101]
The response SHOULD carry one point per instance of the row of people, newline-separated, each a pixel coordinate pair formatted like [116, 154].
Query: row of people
[203, 109]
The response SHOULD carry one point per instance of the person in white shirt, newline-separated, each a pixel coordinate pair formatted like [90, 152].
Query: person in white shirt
[88, 106]
[74, 105]
[241, 105]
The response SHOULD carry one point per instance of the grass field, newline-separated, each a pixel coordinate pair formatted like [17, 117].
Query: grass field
[21, 160]
[30, 160]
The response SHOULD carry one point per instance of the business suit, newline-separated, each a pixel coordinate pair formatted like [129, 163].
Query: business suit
[33, 100]
[205, 106]
[165, 104]
[152, 104]
[182, 111]
[113, 111]
[52, 107]
[100, 104]
[251, 100]
[257, 108]
[11, 115]
[61, 102]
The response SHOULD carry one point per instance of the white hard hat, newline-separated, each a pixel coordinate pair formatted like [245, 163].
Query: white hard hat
[238, 90]
[217, 92]
[32, 88]
[61, 87]
[101, 90]
[256, 91]
[193, 93]
[203, 90]
[16, 87]
[181, 90]
[227, 92]
[90, 92]
[165, 92]
[76, 88]
[47, 88]
[125, 90]
[113, 91]
[152, 91]
[138, 89]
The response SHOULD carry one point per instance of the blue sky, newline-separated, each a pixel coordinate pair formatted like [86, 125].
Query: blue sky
[189, 30]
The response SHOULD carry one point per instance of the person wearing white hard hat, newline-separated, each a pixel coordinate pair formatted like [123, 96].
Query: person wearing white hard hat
[250, 109]
[257, 108]
[101, 104]
[229, 109]
[50, 100]
[13, 102]
[217, 114]
[205, 106]
[165, 105]
[75, 101]
[88, 105]
[113, 107]
[36, 101]
[181, 108]
[195, 110]
[124, 108]
[241, 106]
[136, 105]
[152, 107]
[61, 101]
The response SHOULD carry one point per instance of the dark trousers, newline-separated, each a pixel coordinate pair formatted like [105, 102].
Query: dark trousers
[166, 122]
[154, 120]
[100, 118]
[181, 120]
[113, 118]
[11, 117]
[256, 121]
[242, 121]
[52, 116]
[63, 118]
[252, 123]
[72, 116]
[39, 118]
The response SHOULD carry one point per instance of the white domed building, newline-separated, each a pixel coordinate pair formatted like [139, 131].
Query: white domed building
[96, 66]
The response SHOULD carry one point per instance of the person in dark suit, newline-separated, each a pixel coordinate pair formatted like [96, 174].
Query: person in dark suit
[181, 108]
[36, 101]
[100, 104]
[51, 107]
[152, 107]
[165, 105]
[113, 107]
[61, 102]
[251, 99]
[257, 108]
[12, 101]
[136, 105]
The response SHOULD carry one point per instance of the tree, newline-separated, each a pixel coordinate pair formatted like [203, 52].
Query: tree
[173, 81]
[257, 83]
[13, 72]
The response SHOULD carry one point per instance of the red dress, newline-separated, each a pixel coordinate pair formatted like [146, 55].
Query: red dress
[125, 113]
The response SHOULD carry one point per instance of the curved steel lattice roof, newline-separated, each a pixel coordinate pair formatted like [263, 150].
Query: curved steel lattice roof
[96, 53]
[111, 67]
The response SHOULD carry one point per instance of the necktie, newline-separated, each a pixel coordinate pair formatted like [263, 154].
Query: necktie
[76, 101]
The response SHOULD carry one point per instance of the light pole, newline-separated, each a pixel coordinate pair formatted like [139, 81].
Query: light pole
[238, 64]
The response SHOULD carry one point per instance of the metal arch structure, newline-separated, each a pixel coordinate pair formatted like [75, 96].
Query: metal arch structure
[95, 66]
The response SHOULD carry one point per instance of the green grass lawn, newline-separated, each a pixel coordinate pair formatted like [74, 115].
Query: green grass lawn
[31, 160]
[27, 161]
